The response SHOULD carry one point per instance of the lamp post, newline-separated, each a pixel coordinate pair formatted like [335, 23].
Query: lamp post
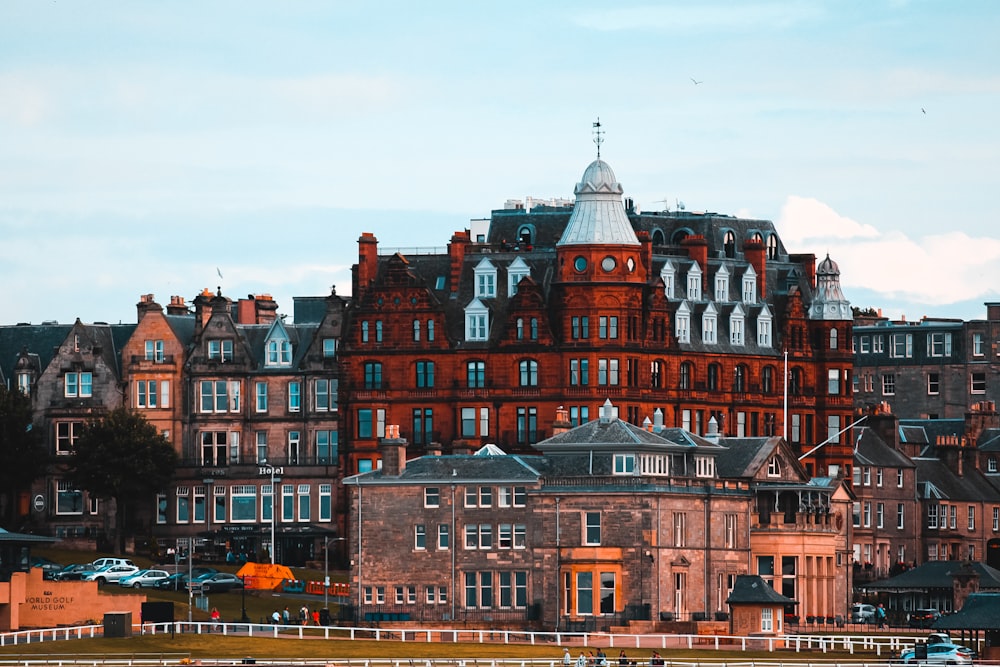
[274, 510]
[209, 508]
[326, 568]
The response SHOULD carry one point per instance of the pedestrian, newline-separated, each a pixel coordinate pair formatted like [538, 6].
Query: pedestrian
[880, 615]
[216, 617]
[622, 659]
[602, 659]
[276, 617]
[567, 659]
[286, 616]
[582, 660]
[304, 615]
[315, 616]
[591, 659]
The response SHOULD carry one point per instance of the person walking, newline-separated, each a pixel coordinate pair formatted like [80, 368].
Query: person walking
[567, 658]
[582, 660]
[880, 615]
[216, 617]
[304, 615]
[286, 616]
[276, 617]
[622, 658]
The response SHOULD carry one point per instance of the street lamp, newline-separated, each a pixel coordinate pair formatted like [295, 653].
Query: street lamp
[326, 568]
[274, 508]
[209, 508]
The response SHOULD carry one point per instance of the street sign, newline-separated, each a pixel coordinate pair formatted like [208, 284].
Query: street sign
[38, 502]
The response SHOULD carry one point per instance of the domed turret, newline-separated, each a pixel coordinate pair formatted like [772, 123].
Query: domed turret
[598, 215]
[829, 302]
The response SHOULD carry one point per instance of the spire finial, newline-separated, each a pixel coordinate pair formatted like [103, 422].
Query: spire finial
[598, 136]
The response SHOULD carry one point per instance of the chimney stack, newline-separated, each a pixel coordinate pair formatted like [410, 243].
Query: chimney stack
[561, 423]
[392, 450]
[756, 255]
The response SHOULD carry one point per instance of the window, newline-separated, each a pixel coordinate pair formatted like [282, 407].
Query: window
[154, 351]
[79, 385]
[939, 344]
[607, 372]
[486, 279]
[833, 382]
[261, 437]
[261, 396]
[579, 414]
[750, 286]
[608, 327]
[680, 529]
[833, 338]
[423, 426]
[152, 394]
[430, 330]
[364, 423]
[213, 447]
[219, 396]
[479, 590]
[378, 331]
[656, 374]
[373, 375]
[764, 328]
[364, 331]
[624, 464]
[425, 374]
[977, 345]
[183, 504]
[69, 500]
[694, 283]
[684, 377]
[736, 331]
[667, 276]
[996, 519]
[420, 537]
[527, 425]
[978, 383]
[579, 372]
[325, 502]
[740, 379]
[991, 464]
[709, 326]
[767, 619]
[580, 327]
[932, 516]
[325, 391]
[901, 346]
[513, 589]
[900, 516]
[528, 373]
[294, 396]
[279, 353]
[416, 330]
[722, 284]
[475, 374]
[326, 447]
[732, 523]
[888, 384]
[774, 467]
[592, 528]
[476, 321]
[329, 347]
[880, 515]
[432, 496]
[866, 476]
[972, 517]
[220, 350]
[444, 540]
[288, 503]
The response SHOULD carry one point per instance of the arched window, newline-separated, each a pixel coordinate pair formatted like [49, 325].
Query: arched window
[526, 235]
[679, 236]
[416, 330]
[740, 379]
[772, 246]
[658, 238]
[713, 377]
[729, 244]
[520, 329]
[767, 380]
[528, 373]
[656, 374]
[684, 379]
[430, 330]
[833, 338]
[795, 382]
[534, 328]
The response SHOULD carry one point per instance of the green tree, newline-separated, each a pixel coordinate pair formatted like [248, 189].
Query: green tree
[22, 453]
[121, 456]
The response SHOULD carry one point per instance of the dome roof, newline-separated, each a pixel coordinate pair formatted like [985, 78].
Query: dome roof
[598, 215]
[827, 267]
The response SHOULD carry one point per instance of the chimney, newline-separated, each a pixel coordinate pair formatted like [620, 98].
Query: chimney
[202, 311]
[561, 423]
[146, 304]
[808, 263]
[461, 447]
[456, 256]
[177, 306]
[646, 258]
[981, 416]
[367, 266]
[992, 311]
[756, 255]
[697, 249]
[885, 425]
[657, 420]
[259, 309]
[433, 449]
[392, 450]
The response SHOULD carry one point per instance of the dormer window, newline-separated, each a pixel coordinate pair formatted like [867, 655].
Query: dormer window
[516, 272]
[220, 350]
[329, 347]
[279, 353]
[694, 283]
[729, 245]
[24, 383]
[736, 327]
[722, 285]
[486, 279]
[750, 286]
[624, 464]
[682, 324]
[764, 327]
[477, 321]
[772, 246]
[667, 276]
[709, 325]
[704, 466]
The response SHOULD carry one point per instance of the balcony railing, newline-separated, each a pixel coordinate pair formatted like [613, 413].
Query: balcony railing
[283, 461]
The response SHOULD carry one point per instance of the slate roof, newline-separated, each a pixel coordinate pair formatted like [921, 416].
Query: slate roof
[743, 457]
[613, 433]
[981, 611]
[937, 574]
[989, 440]
[871, 450]
[933, 428]
[21, 538]
[751, 589]
[457, 468]
[937, 480]
[41, 340]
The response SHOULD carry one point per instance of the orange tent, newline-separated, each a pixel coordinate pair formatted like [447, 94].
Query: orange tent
[264, 576]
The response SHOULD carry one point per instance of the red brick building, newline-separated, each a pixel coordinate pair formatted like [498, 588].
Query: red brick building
[679, 316]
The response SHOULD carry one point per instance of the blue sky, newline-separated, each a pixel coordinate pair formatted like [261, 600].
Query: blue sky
[149, 146]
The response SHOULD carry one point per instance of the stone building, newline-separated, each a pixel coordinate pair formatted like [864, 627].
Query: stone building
[606, 523]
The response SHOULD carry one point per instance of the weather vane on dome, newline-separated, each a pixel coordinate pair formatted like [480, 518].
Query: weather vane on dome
[598, 136]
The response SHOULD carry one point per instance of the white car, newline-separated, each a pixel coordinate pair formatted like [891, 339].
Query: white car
[111, 573]
[862, 613]
[104, 562]
[143, 579]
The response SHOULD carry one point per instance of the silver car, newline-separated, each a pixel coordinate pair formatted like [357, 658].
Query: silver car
[940, 654]
[143, 579]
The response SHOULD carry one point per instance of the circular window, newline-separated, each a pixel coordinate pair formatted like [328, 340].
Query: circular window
[609, 263]
[580, 263]
[630, 263]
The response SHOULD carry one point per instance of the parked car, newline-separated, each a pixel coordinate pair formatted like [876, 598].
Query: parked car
[219, 581]
[941, 654]
[175, 582]
[923, 618]
[104, 562]
[862, 613]
[49, 567]
[111, 574]
[143, 579]
[939, 638]
[74, 572]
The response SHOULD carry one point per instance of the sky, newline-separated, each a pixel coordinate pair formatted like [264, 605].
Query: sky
[166, 147]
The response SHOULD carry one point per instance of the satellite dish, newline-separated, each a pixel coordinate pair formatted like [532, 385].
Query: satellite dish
[680, 206]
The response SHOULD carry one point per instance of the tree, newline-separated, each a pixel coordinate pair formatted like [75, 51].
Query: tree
[22, 453]
[123, 457]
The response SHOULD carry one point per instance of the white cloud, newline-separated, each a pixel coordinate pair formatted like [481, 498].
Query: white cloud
[936, 269]
[701, 17]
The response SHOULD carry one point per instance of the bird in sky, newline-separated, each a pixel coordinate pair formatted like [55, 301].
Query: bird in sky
[923, 111]
[694, 81]
[218, 271]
